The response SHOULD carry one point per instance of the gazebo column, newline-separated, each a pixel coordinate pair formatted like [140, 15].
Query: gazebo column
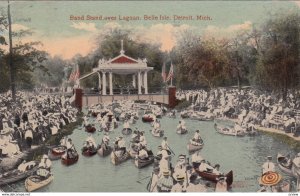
[133, 81]
[103, 83]
[99, 80]
[110, 84]
[139, 83]
[145, 82]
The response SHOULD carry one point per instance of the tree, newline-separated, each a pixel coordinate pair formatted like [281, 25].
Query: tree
[278, 63]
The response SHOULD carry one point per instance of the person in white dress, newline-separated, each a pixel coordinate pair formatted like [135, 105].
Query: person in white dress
[268, 166]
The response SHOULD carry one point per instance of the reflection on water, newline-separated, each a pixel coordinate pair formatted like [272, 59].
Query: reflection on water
[95, 174]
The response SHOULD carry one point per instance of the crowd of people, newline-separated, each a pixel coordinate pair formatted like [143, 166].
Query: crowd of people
[29, 121]
[250, 107]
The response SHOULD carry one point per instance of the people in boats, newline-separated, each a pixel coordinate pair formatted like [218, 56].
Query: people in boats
[181, 125]
[196, 159]
[63, 141]
[164, 158]
[205, 167]
[164, 144]
[135, 136]
[180, 186]
[155, 177]
[196, 141]
[44, 167]
[121, 144]
[89, 142]
[194, 186]
[85, 121]
[126, 125]
[22, 167]
[143, 154]
[296, 167]
[165, 183]
[105, 140]
[268, 166]
[143, 140]
[156, 126]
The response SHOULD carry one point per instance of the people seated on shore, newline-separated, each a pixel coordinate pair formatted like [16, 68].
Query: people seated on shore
[268, 166]
[196, 140]
[165, 182]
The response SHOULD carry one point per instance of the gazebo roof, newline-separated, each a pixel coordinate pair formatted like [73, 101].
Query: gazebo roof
[123, 59]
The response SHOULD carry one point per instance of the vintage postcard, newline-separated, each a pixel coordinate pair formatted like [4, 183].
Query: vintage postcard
[150, 96]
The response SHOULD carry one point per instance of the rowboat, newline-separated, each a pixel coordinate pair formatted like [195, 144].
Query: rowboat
[90, 129]
[35, 182]
[88, 152]
[126, 131]
[147, 119]
[159, 133]
[116, 160]
[70, 160]
[102, 152]
[193, 148]
[139, 163]
[204, 118]
[181, 131]
[214, 177]
[285, 164]
[229, 131]
[56, 152]
[16, 175]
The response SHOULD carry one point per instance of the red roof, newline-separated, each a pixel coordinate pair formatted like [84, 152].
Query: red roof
[123, 59]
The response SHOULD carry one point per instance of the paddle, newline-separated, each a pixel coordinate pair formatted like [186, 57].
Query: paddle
[139, 181]
[171, 150]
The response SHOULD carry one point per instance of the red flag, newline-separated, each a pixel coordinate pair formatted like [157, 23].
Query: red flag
[75, 74]
[171, 73]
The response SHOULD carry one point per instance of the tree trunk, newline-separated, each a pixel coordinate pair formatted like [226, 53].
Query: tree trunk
[11, 65]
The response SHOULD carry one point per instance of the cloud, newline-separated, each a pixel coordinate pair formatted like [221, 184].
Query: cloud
[230, 31]
[18, 27]
[164, 34]
[297, 3]
[91, 27]
[68, 47]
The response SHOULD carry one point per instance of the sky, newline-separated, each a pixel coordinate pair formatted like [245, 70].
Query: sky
[52, 25]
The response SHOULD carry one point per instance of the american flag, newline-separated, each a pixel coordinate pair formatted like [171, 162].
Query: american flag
[163, 72]
[75, 74]
[171, 73]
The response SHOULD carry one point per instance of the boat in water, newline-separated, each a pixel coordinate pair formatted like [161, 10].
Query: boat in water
[36, 182]
[117, 158]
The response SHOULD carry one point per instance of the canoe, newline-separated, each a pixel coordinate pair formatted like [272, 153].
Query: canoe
[214, 177]
[193, 148]
[33, 183]
[104, 152]
[90, 129]
[228, 131]
[126, 131]
[88, 152]
[118, 160]
[147, 119]
[56, 152]
[181, 131]
[140, 163]
[15, 175]
[206, 119]
[285, 164]
[160, 133]
[70, 161]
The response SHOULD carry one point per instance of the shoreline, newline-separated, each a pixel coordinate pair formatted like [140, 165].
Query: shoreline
[287, 138]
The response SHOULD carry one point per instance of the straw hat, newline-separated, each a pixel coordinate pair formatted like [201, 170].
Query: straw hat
[166, 172]
[179, 178]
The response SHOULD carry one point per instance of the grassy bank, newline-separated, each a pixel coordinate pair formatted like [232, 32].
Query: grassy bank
[294, 144]
[55, 139]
